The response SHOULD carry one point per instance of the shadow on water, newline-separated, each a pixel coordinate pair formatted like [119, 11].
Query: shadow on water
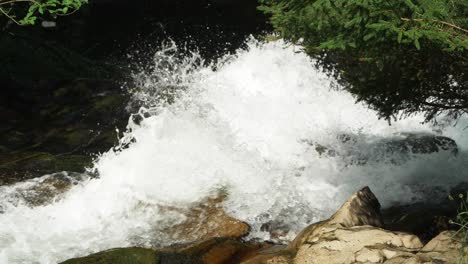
[64, 89]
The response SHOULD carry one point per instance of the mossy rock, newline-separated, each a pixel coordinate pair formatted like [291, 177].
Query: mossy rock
[211, 251]
[133, 255]
[25, 165]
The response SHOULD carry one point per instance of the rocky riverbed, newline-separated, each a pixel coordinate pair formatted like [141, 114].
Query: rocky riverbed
[356, 233]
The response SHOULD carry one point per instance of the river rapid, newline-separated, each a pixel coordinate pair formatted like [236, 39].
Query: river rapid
[249, 126]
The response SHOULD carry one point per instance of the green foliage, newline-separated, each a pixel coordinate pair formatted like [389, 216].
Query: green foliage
[368, 24]
[400, 57]
[462, 222]
[30, 10]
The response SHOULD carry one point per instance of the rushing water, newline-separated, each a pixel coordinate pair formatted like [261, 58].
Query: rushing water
[248, 125]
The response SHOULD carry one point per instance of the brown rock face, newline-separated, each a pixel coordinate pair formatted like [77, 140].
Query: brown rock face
[208, 220]
[353, 235]
[446, 248]
[217, 251]
[362, 208]
[360, 244]
[277, 254]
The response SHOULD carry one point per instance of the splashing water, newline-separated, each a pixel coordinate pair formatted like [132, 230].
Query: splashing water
[248, 125]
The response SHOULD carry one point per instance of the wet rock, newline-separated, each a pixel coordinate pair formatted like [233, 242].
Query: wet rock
[397, 149]
[352, 235]
[208, 220]
[277, 254]
[132, 255]
[212, 251]
[220, 250]
[43, 190]
[26, 165]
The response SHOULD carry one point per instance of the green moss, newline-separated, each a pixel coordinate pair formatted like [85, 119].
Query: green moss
[23, 165]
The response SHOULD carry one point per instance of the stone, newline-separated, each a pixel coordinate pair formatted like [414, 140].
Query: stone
[270, 259]
[207, 220]
[447, 247]
[362, 208]
[274, 254]
[212, 251]
[360, 244]
[396, 149]
[132, 255]
[354, 235]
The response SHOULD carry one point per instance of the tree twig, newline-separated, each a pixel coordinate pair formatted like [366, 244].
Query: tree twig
[10, 17]
[438, 21]
[452, 25]
[16, 1]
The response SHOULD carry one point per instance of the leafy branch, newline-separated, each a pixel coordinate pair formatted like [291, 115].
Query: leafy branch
[36, 8]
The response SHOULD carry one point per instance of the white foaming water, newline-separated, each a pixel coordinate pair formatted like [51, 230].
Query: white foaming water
[251, 128]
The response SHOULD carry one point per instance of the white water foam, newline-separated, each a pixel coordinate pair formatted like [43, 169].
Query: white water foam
[247, 128]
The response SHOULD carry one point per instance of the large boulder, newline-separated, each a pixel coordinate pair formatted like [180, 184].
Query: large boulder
[362, 208]
[354, 235]
[212, 251]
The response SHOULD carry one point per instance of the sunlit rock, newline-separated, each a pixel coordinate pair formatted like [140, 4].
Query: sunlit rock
[207, 220]
[362, 208]
[447, 247]
[353, 235]
[363, 244]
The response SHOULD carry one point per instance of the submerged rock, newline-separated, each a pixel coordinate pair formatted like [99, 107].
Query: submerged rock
[24, 165]
[41, 191]
[360, 150]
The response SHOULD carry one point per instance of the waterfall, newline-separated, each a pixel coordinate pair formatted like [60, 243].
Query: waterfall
[257, 125]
